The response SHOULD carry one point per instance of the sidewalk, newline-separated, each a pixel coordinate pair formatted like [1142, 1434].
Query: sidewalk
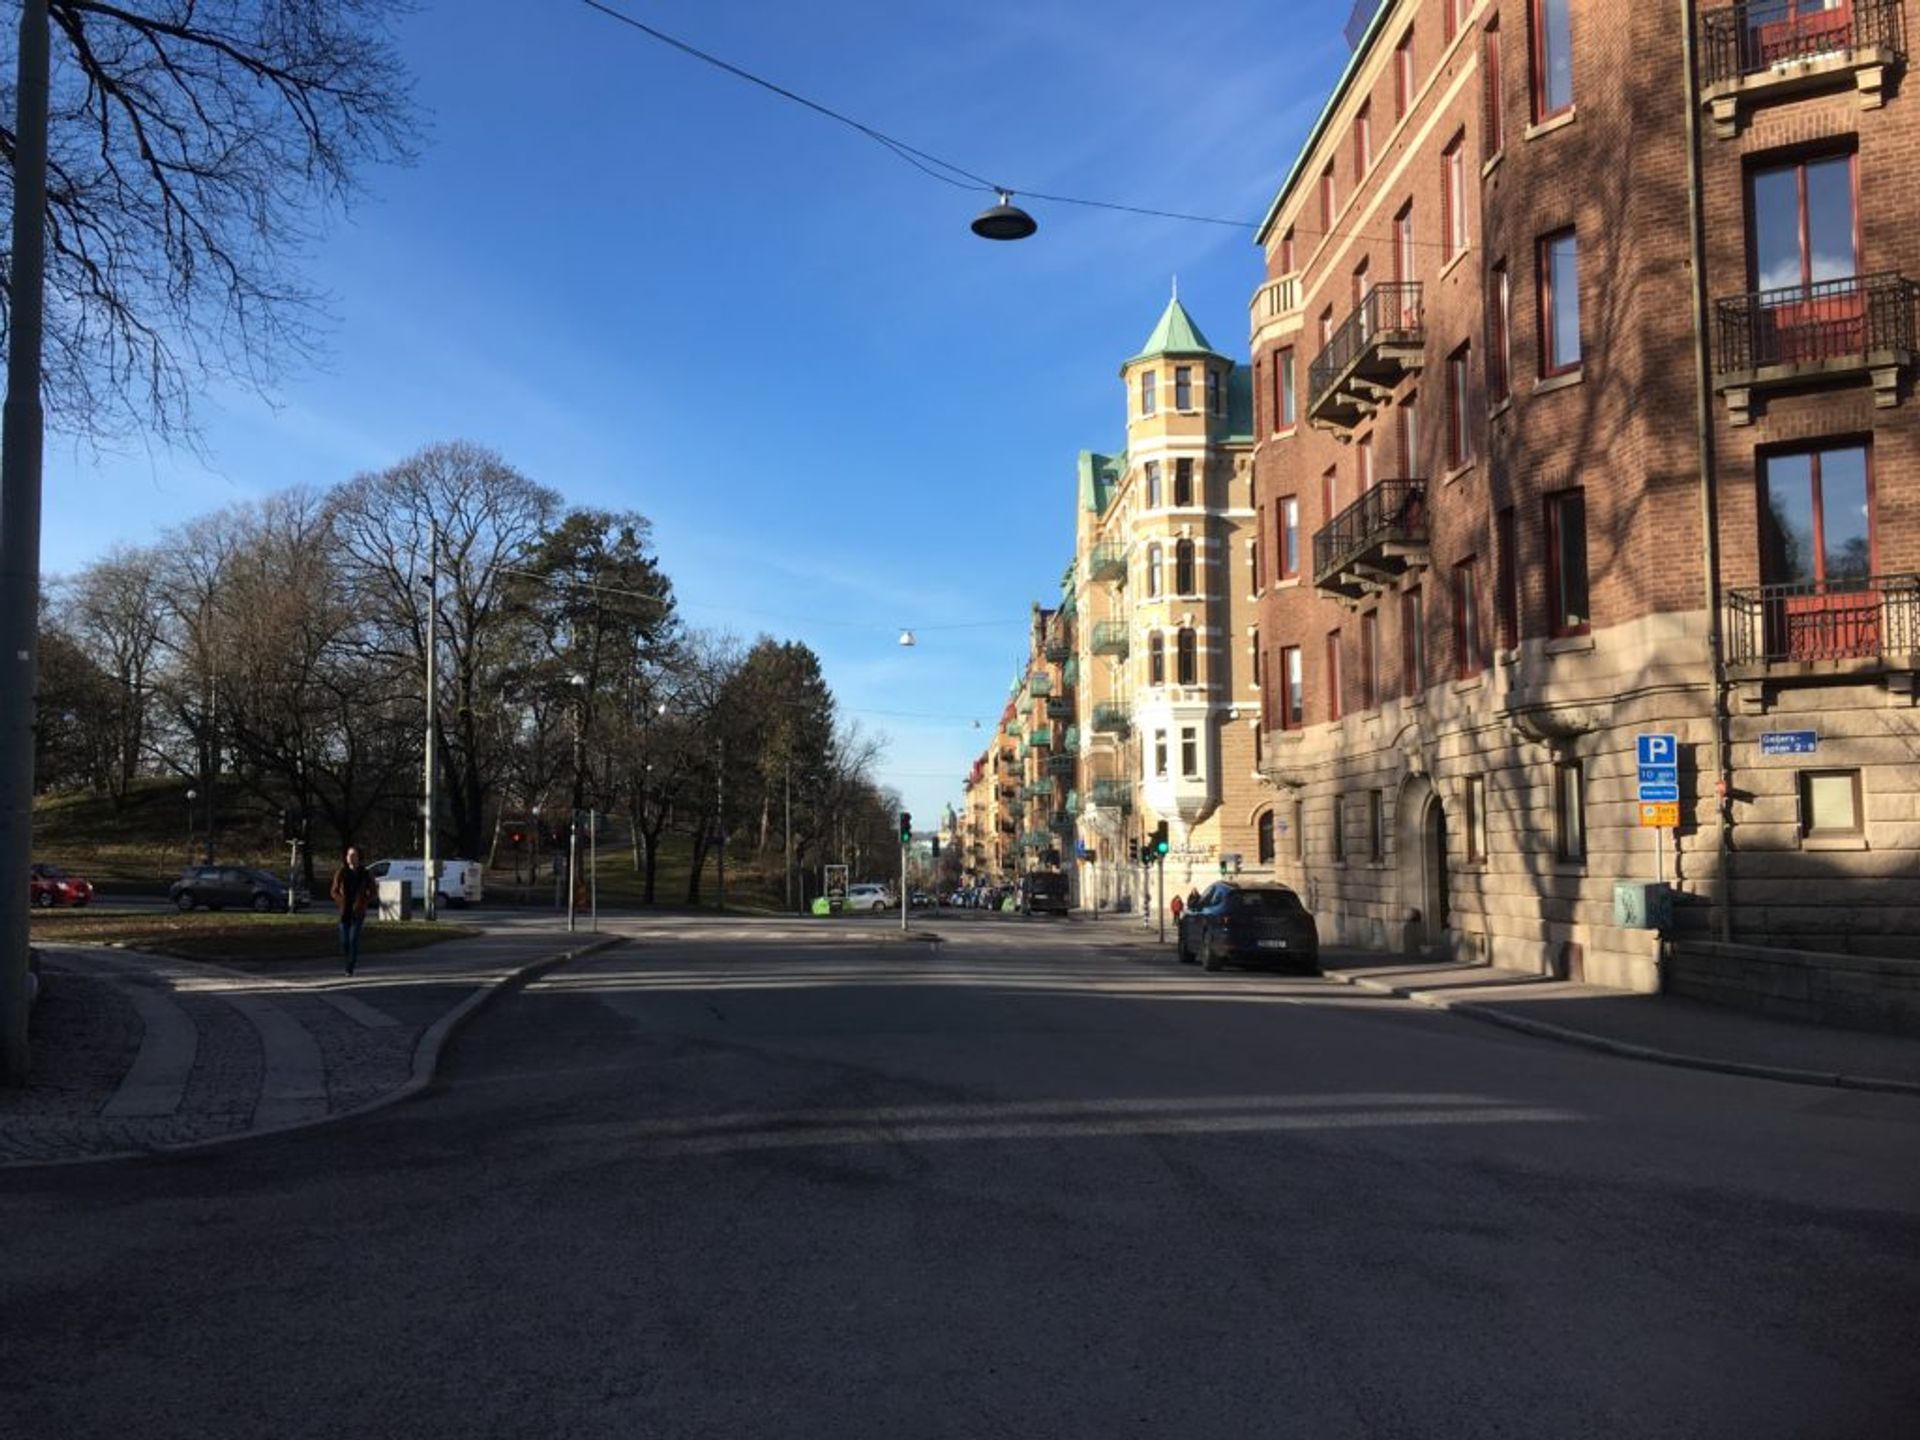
[135, 1054]
[1667, 1029]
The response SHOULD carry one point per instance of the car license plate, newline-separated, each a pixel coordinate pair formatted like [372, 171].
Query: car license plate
[1273, 944]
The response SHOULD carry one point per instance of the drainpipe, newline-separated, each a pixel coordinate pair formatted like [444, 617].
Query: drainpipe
[1720, 743]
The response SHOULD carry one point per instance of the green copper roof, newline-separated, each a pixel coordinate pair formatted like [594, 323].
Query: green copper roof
[1100, 476]
[1176, 334]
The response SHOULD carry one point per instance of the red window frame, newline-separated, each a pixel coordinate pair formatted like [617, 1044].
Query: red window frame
[1403, 75]
[1405, 262]
[1287, 253]
[1330, 494]
[1453, 195]
[1558, 624]
[1494, 131]
[1450, 11]
[1287, 517]
[1334, 697]
[1460, 406]
[1363, 462]
[1285, 416]
[1798, 165]
[1469, 639]
[1407, 421]
[1328, 198]
[1369, 659]
[1293, 688]
[1552, 364]
[1536, 10]
[1499, 334]
[1413, 642]
[1363, 140]
[1507, 577]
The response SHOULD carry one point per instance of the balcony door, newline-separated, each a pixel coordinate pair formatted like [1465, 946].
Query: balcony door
[1782, 30]
[1805, 258]
[1817, 552]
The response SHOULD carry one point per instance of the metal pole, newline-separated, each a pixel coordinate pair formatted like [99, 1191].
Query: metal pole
[720, 816]
[903, 884]
[593, 864]
[20, 454]
[789, 801]
[427, 807]
[1160, 901]
[573, 865]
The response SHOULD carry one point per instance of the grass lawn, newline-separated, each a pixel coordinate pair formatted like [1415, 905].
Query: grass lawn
[227, 939]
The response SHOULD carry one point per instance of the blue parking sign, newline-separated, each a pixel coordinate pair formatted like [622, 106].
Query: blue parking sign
[1658, 750]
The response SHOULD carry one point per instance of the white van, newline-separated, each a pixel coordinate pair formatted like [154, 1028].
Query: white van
[461, 881]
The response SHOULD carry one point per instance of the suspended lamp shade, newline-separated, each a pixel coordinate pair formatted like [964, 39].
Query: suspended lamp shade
[906, 638]
[1005, 221]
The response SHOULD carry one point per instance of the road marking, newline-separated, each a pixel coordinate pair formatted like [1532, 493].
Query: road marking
[293, 1078]
[156, 1082]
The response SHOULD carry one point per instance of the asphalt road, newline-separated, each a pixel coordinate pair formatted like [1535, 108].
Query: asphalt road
[736, 1180]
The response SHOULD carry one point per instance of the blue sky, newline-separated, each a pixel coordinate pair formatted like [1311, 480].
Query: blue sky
[653, 287]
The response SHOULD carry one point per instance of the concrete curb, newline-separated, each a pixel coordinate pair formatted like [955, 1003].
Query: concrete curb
[1626, 1048]
[426, 1063]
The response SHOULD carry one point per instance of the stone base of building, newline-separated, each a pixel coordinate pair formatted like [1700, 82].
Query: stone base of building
[1856, 991]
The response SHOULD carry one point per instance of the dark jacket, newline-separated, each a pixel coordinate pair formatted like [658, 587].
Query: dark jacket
[352, 891]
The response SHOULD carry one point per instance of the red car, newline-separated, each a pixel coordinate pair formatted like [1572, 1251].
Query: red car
[49, 885]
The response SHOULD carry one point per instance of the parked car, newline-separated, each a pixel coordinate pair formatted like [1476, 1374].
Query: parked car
[1249, 924]
[1042, 893]
[461, 881]
[49, 885]
[868, 898]
[238, 887]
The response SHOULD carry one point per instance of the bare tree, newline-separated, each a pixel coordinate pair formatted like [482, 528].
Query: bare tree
[192, 146]
[112, 610]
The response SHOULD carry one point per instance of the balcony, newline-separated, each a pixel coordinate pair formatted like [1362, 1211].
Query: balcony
[1860, 326]
[1112, 718]
[1867, 625]
[1111, 637]
[1060, 709]
[1276, 300]
[1113, 794]
[1040, 684]
[1070, 672]
[1757, 51]
[1058, 646]
[1041, 738]
[1062, 764]
[1036, 840]
[1060, 822]
[1373, 541]
[1024, 704]
[1108, 561]
[1376, 347]
[1070, 742]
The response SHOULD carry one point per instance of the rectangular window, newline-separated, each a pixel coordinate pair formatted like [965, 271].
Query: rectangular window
[1153, 484]
[1334, 696]
[1326, 326]
[1149, 397]
[1283, 401]
[1293, 689]
[1326, 200]
[1476, 819]
[1289, 259]
[1405, 263]
[1183, 387]
[1183, 481]
[1468, 658]
[1339, 828]
[1559, 304]
[1552, 58]
[1460, 407]
[1189, 752]
[1376, 827]
[1160, 753]
[1453, 195]
[1817, 533]
[1363, 462]
[1801, 231]
[1567, 607]
[1499, 333]
[1330, 493]
[1299, 829]
[1289, 537]
[1494, 131]
[1216, 404]
[1403, 75]
[1369, 660]
[1413, 644]
[1360, 282]
[1570, 811]
[1450, 12]
[1363, 141]
[1507, 577]
[1829, 804]
[1407, 418]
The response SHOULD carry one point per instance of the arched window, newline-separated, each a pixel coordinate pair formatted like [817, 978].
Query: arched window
[1264, 845]
[1153, 570]
[1183, 568]
[1186, 662]
[1156, 659]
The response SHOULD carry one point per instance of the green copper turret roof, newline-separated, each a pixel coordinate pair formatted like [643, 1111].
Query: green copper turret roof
[1176, 334]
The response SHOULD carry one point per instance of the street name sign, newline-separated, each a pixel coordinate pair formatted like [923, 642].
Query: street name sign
[1789, 742]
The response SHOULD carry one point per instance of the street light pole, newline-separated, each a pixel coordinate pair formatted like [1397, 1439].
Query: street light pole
[21, 437]
[720, 816]
[427, 807]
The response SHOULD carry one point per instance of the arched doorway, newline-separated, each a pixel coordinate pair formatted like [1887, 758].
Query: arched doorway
[1420, 823]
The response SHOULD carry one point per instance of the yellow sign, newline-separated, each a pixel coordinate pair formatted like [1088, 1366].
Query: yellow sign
[1659, 815]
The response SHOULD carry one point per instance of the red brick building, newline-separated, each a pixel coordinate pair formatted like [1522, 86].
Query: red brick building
[1584, 373]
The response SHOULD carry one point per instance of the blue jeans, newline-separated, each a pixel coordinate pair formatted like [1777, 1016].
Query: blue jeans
[350, 927]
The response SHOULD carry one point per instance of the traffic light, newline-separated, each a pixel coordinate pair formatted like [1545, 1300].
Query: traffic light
[1133, 850]
[1160, 845]
[906, 828]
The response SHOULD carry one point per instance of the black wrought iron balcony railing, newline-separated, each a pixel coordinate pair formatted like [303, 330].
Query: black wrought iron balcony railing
[1856, 317]
[1060, 822]
[1754, 36]
[1040, 684]
[1062, 764]
[1059, 646]
[1374, 348]
[1112, 717]
[1110, 637]
[1870, 617]
[1060, 708]
[1372, 540]
[1107, 561]
[1113, 794]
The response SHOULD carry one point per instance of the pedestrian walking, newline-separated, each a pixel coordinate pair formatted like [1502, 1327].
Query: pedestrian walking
[352, 890]
[1193, 898]
[1175, 906]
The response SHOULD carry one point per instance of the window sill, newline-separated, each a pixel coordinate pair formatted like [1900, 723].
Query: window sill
[1558, 122]
[1288, 582]
[1492, 163]
[1570, 645]
[1286, 434]
[1570, 867]
[1454, 260]
[1501, 407]
[1471, 682]
[1564, 381]
[1833, 842]
[1452, 477]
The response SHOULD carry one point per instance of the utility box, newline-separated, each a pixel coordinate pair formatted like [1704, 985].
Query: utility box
[1642, 905]
[396, 899]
